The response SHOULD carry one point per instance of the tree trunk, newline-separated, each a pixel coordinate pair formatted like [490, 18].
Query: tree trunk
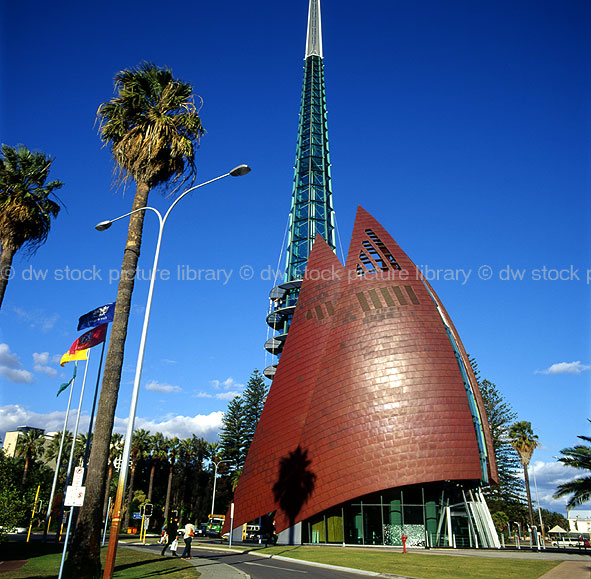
[84, 553]
[26, 470]
[529, 507]
[129, 498]
[151, 484]
[5, 269]
[107, 489]
[168, 489]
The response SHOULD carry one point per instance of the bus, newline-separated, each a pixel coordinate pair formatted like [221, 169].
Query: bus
[214, 525]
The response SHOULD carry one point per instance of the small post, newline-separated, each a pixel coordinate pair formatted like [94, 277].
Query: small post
[404, 538]
[33, 513]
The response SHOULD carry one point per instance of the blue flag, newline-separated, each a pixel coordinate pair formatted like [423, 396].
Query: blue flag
[97, 317]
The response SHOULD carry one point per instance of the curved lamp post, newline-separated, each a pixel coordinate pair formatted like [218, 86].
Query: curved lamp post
[116, 520]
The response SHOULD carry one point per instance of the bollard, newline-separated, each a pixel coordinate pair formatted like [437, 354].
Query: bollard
[404, 537]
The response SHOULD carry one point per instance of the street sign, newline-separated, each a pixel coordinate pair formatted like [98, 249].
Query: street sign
[78, 476]
[74, 496]
[137, 515]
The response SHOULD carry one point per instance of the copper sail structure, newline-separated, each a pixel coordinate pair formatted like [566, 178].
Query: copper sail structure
[311, 211]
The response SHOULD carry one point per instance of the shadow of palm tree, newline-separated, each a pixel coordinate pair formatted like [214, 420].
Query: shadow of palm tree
[294, 486]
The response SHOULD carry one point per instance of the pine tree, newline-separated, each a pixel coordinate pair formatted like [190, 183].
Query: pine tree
[507, 496]
[232, 438]
[254, 398]
[500, 417]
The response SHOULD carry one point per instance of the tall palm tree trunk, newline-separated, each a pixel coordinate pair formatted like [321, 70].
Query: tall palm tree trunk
[129, 499]
[26, 470]
[107, 489]
[5, 268]
[151, 484]
[168, 490]
[528, 492]
[84, 558]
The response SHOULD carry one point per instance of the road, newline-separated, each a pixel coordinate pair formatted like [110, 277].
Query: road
[264, 568]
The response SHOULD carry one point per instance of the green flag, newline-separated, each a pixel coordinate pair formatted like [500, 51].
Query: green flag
[66, 384]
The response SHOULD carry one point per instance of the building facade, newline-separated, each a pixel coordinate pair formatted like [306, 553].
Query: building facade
[374, 426]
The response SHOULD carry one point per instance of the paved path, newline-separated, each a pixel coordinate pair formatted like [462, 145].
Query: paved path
[570, 570]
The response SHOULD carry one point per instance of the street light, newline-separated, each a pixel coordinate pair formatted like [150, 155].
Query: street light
[533, 468]
[215, 476]
[116, 519]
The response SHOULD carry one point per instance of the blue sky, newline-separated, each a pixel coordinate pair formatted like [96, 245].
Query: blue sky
[463, 127]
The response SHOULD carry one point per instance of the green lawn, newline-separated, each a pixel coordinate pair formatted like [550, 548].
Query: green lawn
[418, 565]
[44, 562]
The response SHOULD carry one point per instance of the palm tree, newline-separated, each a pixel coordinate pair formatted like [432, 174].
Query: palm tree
[172, 448]
[524, 441]
[152, 128]
[140, 444]
[578, 456]
[158, 453]
[29, 446]
[115, 452]
[26, 207]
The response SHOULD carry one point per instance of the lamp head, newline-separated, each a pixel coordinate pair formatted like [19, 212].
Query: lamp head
[103, 225]
[240, 170]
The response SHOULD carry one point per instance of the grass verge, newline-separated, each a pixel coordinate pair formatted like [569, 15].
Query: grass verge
[44, 562]
[418, 565]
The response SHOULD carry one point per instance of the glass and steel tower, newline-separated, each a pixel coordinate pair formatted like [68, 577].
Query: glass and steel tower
[311, 204]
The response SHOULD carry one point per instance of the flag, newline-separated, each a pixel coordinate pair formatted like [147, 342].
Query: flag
[79, 355]
[66, 384]
[90, 339]
[96, 317]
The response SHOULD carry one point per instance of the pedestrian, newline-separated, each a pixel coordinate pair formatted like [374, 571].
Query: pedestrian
[188, 535]
[163, 536]
[171, 531]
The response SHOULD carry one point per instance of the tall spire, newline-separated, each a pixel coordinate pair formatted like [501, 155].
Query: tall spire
[314, 37]
[311, 211]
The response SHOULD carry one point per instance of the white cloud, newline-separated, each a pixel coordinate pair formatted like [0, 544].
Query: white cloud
[11, 369]
[227, 395]
[37, 318]
[565, 368]
[202, 425]
[8, 358]
[202, 395]
[227, 384]
[40, 364]
[168, 361]
[161, 387]
[547, 476]
[14, 415]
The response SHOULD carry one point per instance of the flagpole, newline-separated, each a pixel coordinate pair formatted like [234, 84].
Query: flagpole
[96, 389]
[59, 456]
[71, 460]
[75, 434]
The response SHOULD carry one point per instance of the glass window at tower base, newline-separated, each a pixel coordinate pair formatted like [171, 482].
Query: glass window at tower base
[433, 515]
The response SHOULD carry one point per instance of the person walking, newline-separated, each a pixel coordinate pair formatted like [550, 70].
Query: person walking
[171, 530]
[188, 537]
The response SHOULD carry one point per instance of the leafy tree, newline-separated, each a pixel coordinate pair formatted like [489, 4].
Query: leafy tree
[26, 206]
[578, 456]
[524, 441]
[151, 127]
[29, 446]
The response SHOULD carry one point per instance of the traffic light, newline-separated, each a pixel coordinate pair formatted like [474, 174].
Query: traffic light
[148, 509]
